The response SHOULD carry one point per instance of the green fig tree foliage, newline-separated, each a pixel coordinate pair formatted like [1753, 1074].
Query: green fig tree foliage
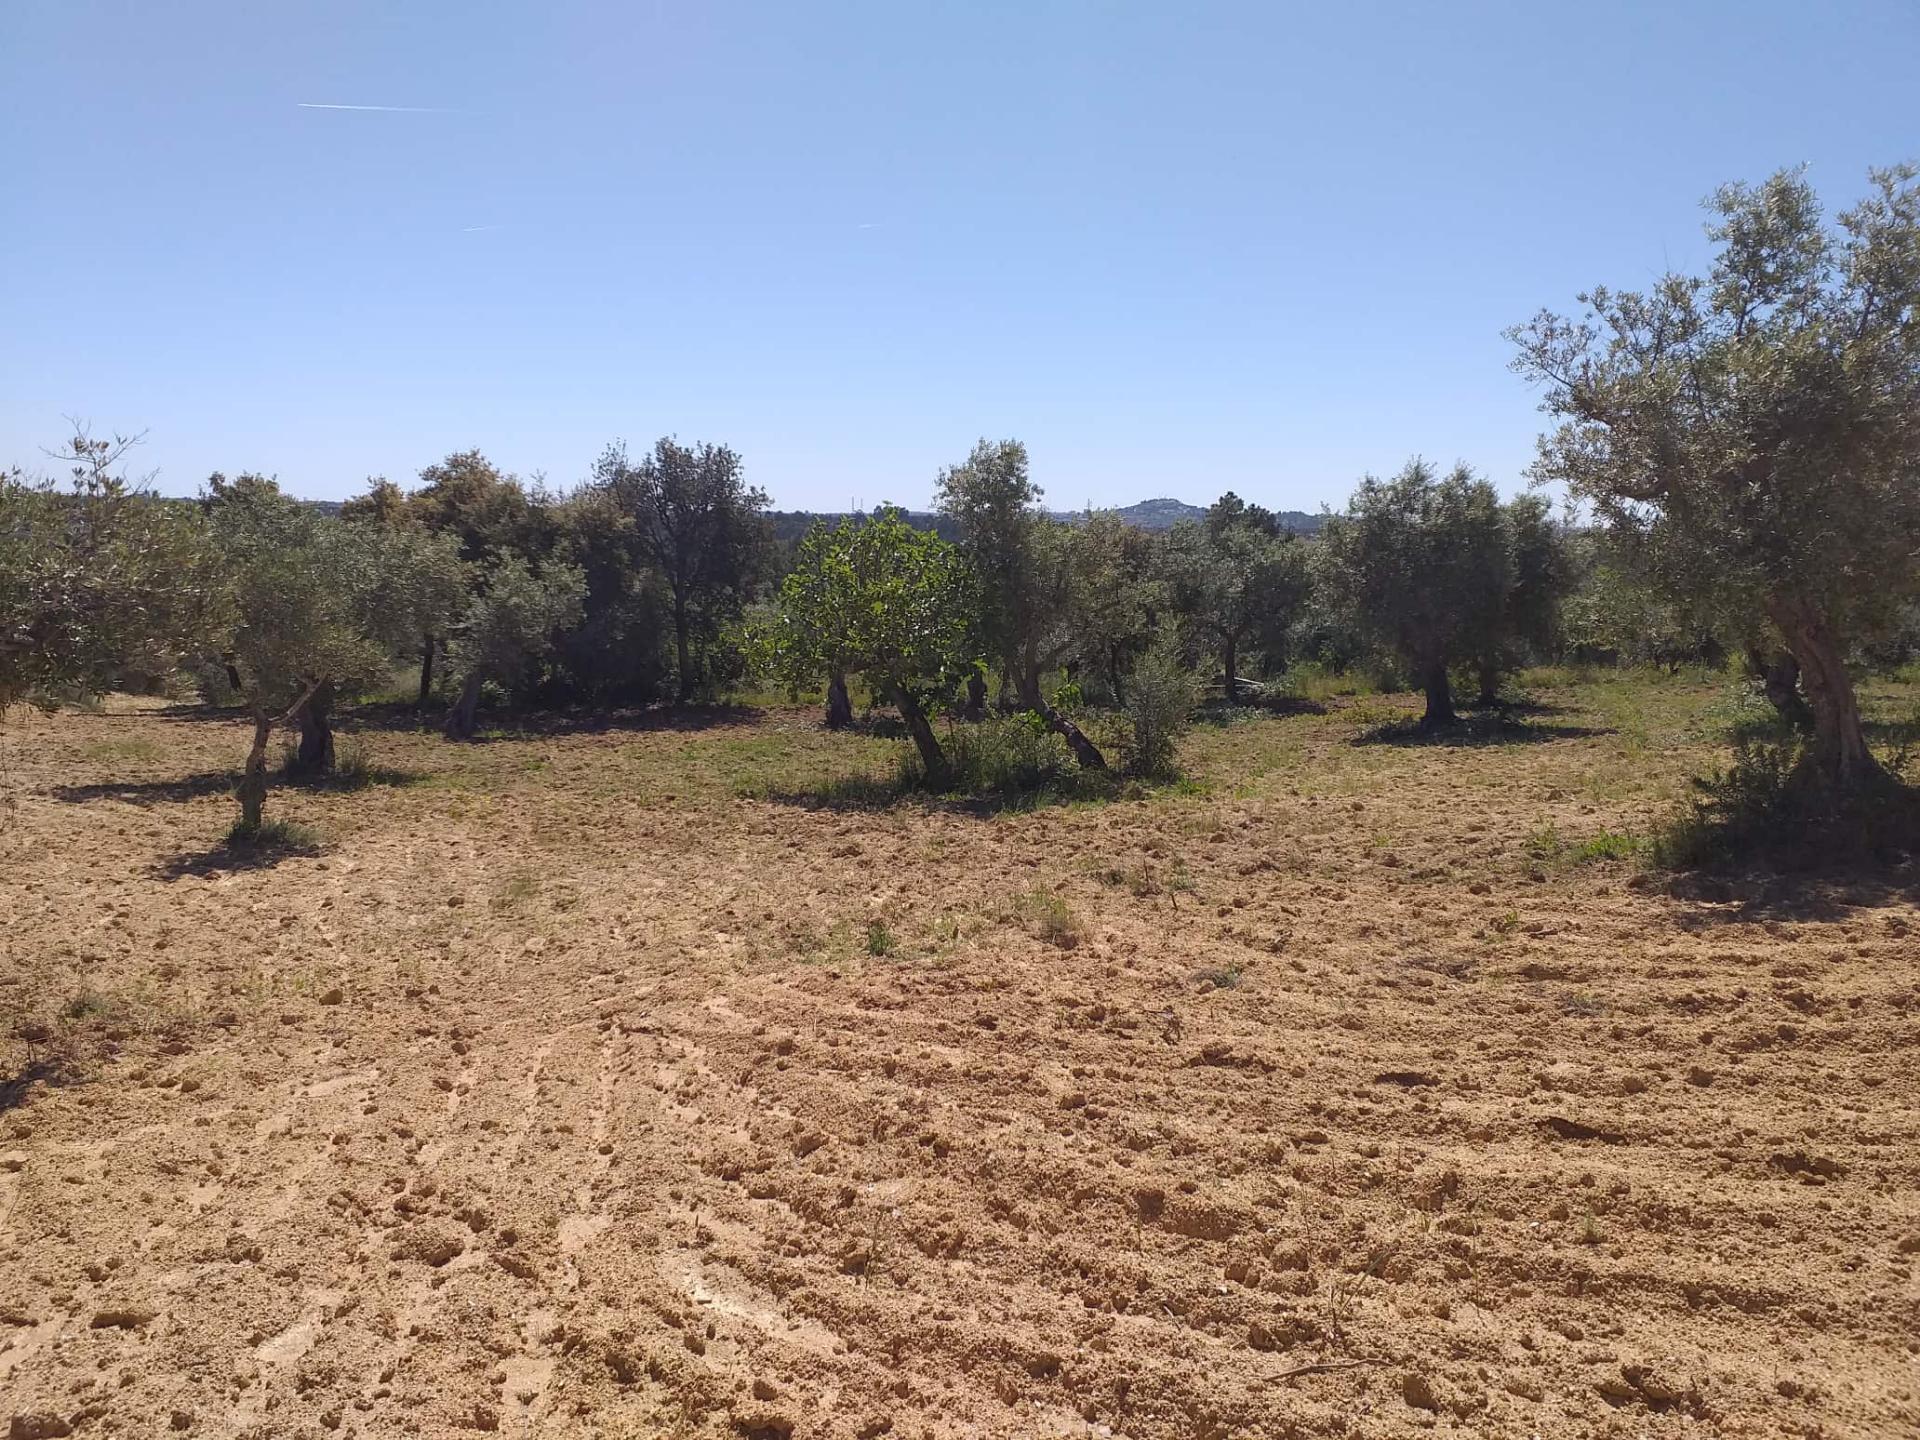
[891, 603]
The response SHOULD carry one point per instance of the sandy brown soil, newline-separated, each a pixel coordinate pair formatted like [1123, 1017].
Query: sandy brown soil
[563, 1095]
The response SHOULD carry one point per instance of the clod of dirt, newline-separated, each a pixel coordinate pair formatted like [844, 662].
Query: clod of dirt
[123, 1317]
[1202, 1220]
[38, 1425]
[1573, 1130]
[1417, 1391]
[1812, 1169]
[759, 1424]
[1413, 1079]
[429, 1244]
[13, 1160]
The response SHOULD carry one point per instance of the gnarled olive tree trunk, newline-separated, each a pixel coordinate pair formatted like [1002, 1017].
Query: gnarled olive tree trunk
[1489, 675]
[1839, 740]
[839, 707]
[1779, 676]
[975, 707]
[315, 753]
[427, 644]
[1439, 699]
[1230, 664]
[462, 715]
[252, 793]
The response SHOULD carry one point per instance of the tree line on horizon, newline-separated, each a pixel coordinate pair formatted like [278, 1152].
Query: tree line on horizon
[1748, 442]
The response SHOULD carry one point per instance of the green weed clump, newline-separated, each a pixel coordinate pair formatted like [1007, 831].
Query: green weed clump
[286, 837]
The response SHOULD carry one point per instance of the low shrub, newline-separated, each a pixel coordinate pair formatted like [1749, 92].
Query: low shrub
[1160, 700]
[1771, 803]
[1001, 755]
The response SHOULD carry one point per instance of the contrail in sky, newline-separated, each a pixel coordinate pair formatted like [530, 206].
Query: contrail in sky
[389, 109]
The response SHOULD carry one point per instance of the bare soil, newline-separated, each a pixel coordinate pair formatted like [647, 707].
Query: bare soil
[572, 1090]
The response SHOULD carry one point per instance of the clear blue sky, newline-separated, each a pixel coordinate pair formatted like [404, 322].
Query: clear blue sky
[1177, 248]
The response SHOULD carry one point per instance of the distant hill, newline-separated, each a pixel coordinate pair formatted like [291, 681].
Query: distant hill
[1160, 514]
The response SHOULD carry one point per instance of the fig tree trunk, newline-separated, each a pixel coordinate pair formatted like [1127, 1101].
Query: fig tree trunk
[1839, 742]
[1439, 699]
[426, 671]
[315, 753]
[252, 793]
[839, 707]
[461, 717]
[932, 758]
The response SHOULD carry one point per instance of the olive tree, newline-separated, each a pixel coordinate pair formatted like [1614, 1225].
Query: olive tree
[1026, 568]
[306, 614]
[880, 598]
[1424, 565]
[510, 622]
[1541, 576]
[1231, 580]
[1754, 432]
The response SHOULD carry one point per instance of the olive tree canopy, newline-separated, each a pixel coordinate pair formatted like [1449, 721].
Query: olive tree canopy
[1424, 564]
[1754, 432]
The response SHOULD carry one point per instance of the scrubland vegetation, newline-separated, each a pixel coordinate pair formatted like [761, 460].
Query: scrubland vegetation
[1450, 969]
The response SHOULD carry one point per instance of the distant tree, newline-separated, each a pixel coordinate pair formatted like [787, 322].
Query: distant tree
[1542, 574]
[1425, 565]
[1614, 613]
[617, 652]
[696, 520]
[510, 621]
[384, 504]
[1115, 597]
[1754, 434]
[98, 580]
[491, 513]
[1232, 579]
[890, 602]
[307, 615]
[1025, 573]
[1230, 512]
[427, 575]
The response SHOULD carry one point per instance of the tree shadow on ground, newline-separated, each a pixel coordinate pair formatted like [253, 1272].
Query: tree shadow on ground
[511, 725]
[1525, 705]
[852, 794]
[149, 792]
[146, 793]
[1476, 728]
[227, 858]
[15, 1088]
[1756, 895]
